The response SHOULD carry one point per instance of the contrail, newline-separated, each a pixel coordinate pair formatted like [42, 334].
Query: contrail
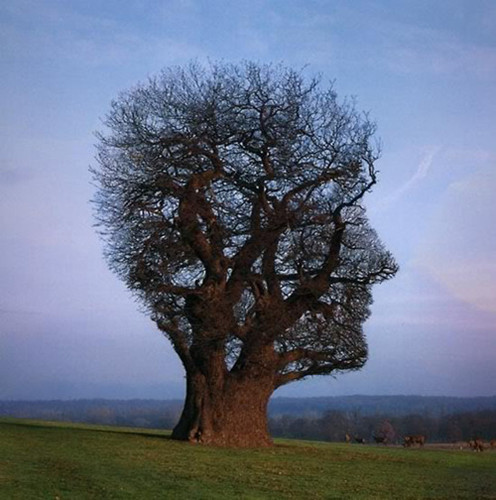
[420, 173]
[423, 168]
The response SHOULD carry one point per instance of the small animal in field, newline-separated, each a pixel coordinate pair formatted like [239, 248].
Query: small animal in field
[347, 438]
[380, 439]
[360, 440]
[476, 444]
[409, 441]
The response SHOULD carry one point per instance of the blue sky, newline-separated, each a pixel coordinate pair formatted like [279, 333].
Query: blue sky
[426, 72]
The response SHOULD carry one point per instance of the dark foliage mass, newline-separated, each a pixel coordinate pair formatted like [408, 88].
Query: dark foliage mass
[230, 200]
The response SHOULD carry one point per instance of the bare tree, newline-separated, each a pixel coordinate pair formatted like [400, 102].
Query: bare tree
[230, 200]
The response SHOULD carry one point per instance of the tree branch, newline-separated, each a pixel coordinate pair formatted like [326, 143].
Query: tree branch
[298, 354]
[318, 369]
[178, 341]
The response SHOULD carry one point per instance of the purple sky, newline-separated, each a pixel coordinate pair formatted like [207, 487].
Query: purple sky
[426, 71]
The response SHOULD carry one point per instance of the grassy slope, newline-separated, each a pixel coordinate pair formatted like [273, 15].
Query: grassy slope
[43, 460]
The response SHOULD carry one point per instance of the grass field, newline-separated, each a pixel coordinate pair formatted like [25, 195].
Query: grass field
[40, 460]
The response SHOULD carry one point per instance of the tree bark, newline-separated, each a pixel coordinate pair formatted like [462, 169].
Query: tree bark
[234, 415]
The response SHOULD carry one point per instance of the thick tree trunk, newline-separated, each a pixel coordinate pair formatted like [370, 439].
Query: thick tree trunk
[234, 415]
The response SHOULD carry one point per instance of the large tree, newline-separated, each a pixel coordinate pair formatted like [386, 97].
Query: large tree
[230, 200]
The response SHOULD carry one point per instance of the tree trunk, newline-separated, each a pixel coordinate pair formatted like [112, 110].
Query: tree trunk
[234, 415]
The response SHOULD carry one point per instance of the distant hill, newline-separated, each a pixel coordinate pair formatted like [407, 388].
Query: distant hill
[134, 412]
[165, 413]
[381, 405]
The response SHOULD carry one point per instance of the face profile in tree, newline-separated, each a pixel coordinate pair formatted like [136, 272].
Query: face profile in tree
[230, 201]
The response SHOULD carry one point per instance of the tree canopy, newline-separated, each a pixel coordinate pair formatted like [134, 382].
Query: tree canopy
[230, 200]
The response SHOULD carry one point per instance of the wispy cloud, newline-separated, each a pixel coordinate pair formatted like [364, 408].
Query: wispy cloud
[21, 312]
[10, 176]
[442, 56]
[434, 44]
[459, 244]
[61, 34]
[419, 175]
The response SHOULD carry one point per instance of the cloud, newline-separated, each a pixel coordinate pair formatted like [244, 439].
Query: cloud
[428, 39]
[460, 241]
[14, 176]
[18, 312]
[56, 358]
[443, 57]
[36, 31]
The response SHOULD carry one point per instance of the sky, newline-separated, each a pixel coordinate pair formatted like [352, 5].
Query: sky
[425, 70]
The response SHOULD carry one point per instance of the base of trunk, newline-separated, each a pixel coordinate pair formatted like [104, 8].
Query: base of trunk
[235, 416]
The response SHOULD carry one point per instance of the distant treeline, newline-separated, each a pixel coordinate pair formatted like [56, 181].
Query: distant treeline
[335, 425]
[442, 419]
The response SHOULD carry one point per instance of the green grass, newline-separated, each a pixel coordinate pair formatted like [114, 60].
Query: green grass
[40, 460]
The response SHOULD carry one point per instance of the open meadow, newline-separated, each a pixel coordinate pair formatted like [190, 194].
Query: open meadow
[73, 461]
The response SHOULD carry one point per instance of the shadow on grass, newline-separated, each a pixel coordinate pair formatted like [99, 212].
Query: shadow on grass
[75, 426]
[162, 434]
